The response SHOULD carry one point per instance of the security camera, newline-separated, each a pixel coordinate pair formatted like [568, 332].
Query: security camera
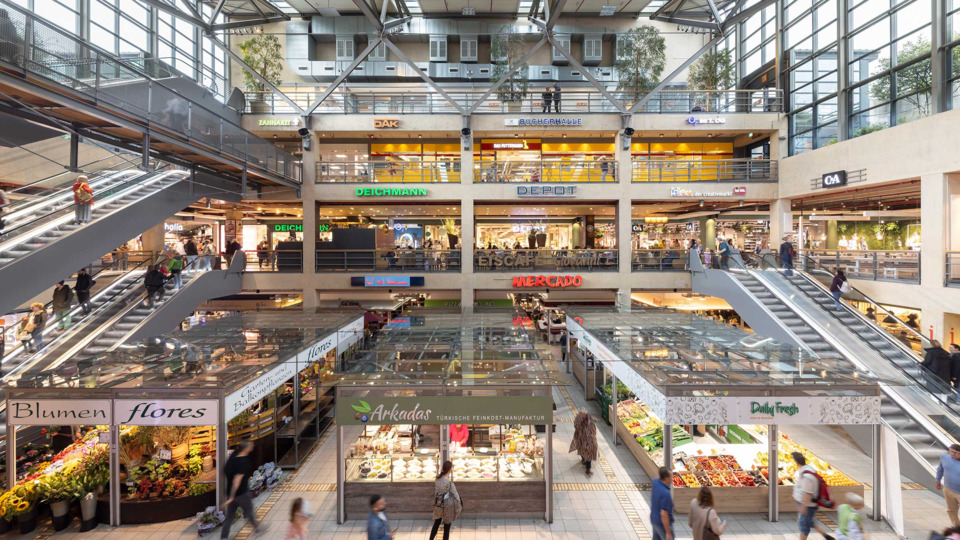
[465, 132]
[303, 132]
[628, 132]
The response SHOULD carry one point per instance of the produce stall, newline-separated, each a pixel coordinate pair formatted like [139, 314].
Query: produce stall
[706, 400]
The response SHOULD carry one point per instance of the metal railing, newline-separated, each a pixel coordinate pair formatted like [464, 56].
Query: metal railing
[385, 172]
[571, 101]
[42, 49]
[544, 171]
[720, 170]
[574, 260]
[903, 266]
[952, 273]
[274, 260]
[389, 260]
[659, 260]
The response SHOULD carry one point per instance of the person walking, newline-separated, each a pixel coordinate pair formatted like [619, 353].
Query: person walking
[724, 251]
[175, 267]
[299, 515]
[238, 470]
[263, 251]
[62, 297]
[556, 97]
[604, 168]
[585, 439]
[661, 506]
[902, 336]
[703, 516]
[938, 361]
[154, 282]
[948, 481]
[786, 256]
[378, 527]
[232, 247]
[838, 287]
[546, 96]
[447, 504]
[37, 320]
[82, 200]
[849, 522]
[82, 288]
[192, 254]
[805, 492]
[209, 252]
[563, 346]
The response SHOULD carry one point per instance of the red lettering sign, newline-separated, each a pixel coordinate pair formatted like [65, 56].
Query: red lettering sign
[558, 282]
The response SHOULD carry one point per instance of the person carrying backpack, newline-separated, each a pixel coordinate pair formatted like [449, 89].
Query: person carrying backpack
[154, 282]
[810, 492]
[175, 267]
[83, 200]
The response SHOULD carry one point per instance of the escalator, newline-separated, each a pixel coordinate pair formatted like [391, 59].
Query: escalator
[922, 410]
[41, 244]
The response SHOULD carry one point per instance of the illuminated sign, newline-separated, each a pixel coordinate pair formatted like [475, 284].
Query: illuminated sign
[511, 145]
[695, 120]
[386, 281]
[734, 192]
[834, 179]
[297, 227]
[508, 146]
[546, 191]
[386, 123]
[172, 227]
[278, 122]
[559, 282]
[543, 122]
[391, 192]
[740, 190]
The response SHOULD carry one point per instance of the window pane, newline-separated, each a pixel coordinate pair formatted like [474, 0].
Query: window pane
[870, 121]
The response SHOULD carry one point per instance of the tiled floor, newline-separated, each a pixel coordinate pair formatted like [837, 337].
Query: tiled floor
[608, 505]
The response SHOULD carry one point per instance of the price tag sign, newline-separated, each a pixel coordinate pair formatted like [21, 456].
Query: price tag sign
[104, 437]
[165, 454]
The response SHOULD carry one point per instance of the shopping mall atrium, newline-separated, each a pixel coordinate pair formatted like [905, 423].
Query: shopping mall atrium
[272, 264]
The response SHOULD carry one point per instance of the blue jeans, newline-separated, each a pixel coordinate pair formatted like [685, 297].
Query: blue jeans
[836, 299]
[805, 520]
[177, 280]
[659, 533]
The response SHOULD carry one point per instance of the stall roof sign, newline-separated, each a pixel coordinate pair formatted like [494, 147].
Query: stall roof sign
[430, 410]
[59, 412]
[780, 410]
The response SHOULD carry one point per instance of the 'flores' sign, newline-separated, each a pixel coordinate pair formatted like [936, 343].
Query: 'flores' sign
[165, 412]
[558, 282]
[834, 179]
[391, 192]
[375, 410]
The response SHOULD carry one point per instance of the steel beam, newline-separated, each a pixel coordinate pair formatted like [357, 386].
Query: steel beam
[383, 11]
[192, 10]
[426, 78]
[216, 11]
[939, 61]
[220, 45]
[395, 22]
[555, 12]
[603, 90]
[513, 69]
[343, 75]
[248, 22]
[716, 13]
[172, 10]
[368, 13]
[690, 22]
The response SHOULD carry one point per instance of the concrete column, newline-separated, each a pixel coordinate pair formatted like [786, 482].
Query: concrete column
[624, 221]
[935, 216]
[309, 194]
[152, 239]
[467, 232]
[708, 233]
[833, 240]
[466, 162]
[624, 162]
[781, 221]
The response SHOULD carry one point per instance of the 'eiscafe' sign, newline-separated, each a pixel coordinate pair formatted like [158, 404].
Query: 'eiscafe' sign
[558, 282]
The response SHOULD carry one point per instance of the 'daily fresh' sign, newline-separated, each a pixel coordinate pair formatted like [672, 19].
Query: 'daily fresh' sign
[773, 409]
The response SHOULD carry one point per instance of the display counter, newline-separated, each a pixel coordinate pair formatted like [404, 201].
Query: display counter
[734, 466]
[584, 370]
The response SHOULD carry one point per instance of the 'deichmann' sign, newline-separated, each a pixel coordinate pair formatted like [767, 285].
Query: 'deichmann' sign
[444, 410]
[391, 192]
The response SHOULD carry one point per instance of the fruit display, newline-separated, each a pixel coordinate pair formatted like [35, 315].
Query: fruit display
[646, 428]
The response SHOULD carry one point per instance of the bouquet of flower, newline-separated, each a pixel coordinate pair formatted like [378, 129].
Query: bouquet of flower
[208, 520]
[256, 480]
[274, 477]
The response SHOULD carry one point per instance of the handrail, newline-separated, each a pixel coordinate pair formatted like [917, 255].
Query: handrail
[62, 191]
[122, 166]
[93, 59]
[713, 170]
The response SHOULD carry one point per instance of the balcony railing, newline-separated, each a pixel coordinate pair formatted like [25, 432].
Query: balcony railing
[389, 260]
[557, 260]
[659, 260]
[386, 172]
[903, 266]
[952, 274]
[274, 260]
[544, 171]
[571, 102]
[720, 170]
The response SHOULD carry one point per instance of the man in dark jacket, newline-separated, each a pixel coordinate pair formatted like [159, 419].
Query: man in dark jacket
[556, 97]
[154, 282]
[937, 361]
[786, 256]
[190, 250]
[82, 288]
[62, 296]
[547, 97]
[232, 247]
[955, 365]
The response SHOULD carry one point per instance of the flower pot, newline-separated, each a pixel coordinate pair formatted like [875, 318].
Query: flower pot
[453, 240]
[514, 106]
[204, 529]
[179, 453]
[28, 521]
[259, 107]
[541, 239]
[207, 463]
[5, 526]
[60, 508]
[88, 506]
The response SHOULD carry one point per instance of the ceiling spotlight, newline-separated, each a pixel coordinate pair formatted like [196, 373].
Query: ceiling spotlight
[701, 204]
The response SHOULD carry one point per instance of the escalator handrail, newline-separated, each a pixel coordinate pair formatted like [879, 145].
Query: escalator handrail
[117, 192]
[120, 166]
[61, 192]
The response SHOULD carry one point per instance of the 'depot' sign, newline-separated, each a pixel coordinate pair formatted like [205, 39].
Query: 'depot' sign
[378, 410]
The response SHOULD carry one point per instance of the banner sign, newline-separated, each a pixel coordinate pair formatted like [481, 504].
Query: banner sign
[54, 412]
[317, 351]
[390, 192]
[543, 122]
[378, 410]
[780, 410]
[558, 282]
[547, 191]
[165, 412]
[834, 179]
[738, 191]
[349, 334]
[386, 281]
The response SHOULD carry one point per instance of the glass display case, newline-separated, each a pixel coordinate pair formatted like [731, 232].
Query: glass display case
[498, 452]
[394, 453]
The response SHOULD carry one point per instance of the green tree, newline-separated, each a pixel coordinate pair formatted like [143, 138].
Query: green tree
[506, 49]
[913, 82]
[641, 56]
[262, 53]
[713, 71]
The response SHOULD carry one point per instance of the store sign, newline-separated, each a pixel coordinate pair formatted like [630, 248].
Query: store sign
[546, 191]
[696, 120]
[834, 179]
[172, 227]
[317, 351]
[543, 122]
[391, 192]
[377, 410]
[738, 191]
[165, 412]
[386, 281]
[349, 335]
[54, 412]
[802, 410]
[636, 227]
[510, 145]
[287, 228]
[558, 282]
[386, 123]
[238, 401]
[271, 122]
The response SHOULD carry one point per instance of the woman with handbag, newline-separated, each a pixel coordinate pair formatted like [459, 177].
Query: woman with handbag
[703, 519]
[447, 505]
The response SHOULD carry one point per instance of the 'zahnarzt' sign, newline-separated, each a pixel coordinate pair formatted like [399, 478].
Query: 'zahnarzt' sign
[165, 412]
[52, 412]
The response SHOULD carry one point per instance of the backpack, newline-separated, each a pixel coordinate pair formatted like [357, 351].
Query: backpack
[176, 263]
[84, 196]
[823, 494]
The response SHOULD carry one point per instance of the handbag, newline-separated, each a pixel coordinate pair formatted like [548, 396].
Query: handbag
[708, 533]
[845, 287]
[452, 506]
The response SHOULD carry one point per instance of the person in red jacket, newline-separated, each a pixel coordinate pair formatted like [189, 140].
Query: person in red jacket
[83, 199]
[459, 433]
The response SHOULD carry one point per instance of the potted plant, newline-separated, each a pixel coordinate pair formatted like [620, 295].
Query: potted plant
[208, 520]
[256, 481]
[712, 71]
[59, 490]
[24, 501]
[450, 225]
[507, 49]
[262, 53]
[641, 56]
[176, 439]
[6, 512]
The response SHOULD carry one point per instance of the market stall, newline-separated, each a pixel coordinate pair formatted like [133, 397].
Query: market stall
[706, 400]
